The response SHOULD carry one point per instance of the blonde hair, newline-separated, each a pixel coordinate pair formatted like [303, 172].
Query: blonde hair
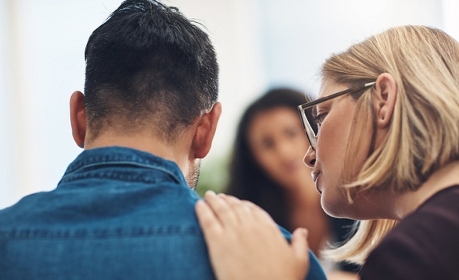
[424, 130]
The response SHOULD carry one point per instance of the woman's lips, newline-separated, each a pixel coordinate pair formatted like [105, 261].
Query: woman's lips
[315, 178]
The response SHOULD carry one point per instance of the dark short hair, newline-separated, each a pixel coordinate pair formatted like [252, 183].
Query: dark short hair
[147, 65]
[247, 179]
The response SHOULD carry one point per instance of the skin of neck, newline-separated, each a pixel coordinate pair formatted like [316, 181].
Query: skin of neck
[305, 211]
[177, 151]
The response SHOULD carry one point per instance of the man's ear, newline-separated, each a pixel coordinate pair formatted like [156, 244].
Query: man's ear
[205, 131]
[385, 98]
[78, 118]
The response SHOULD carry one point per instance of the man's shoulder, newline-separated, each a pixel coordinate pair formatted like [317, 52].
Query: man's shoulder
[110, 206]
[146, 233]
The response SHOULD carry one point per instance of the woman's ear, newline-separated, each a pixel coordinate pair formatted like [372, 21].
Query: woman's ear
[78, 118]
[385, 98]
[205, 131]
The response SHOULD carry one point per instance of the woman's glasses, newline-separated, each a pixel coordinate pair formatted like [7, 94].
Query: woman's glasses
[308, 113]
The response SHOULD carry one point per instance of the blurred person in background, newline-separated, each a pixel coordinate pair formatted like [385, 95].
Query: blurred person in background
[267, 168]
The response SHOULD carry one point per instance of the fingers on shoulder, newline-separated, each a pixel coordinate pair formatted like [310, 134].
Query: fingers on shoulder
[207, 219]
[246, 211]
[232, 213]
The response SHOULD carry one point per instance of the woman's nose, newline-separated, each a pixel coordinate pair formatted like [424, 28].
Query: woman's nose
[310, 157]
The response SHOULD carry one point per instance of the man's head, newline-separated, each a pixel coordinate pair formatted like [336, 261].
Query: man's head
[149, 71]
[147, 65]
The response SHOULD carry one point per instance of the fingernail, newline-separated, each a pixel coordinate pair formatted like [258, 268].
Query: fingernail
[210, 192]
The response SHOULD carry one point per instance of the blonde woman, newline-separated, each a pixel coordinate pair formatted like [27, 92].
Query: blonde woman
[386, 152]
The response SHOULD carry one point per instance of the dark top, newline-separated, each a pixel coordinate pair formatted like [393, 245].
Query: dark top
[424, 245]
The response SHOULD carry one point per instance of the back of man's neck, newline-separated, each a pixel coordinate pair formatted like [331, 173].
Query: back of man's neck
[146, 144]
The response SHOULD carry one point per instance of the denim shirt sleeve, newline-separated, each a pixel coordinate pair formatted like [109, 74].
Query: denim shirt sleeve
[315, 269]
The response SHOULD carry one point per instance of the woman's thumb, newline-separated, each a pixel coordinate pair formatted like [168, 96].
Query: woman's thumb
[299, 243]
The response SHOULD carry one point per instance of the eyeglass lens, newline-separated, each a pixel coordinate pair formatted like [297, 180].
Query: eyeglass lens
[312, 118]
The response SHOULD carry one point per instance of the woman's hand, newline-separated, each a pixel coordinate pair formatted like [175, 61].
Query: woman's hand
[245, 243]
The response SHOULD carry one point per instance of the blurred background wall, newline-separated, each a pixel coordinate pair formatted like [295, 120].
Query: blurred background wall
[260, 44]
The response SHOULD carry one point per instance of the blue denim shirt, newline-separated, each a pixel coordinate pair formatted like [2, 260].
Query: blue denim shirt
[117, 213]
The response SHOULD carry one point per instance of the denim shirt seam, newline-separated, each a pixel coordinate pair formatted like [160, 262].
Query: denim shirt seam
[98, 233]
[165, 170]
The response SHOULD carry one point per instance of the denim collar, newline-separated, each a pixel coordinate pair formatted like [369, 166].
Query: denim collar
[106, 156]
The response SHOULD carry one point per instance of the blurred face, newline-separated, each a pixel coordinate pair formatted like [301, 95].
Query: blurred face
[336, 117]
[277, 140]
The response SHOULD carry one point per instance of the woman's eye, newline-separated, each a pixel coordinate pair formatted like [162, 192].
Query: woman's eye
[267, 144]
[320, 118]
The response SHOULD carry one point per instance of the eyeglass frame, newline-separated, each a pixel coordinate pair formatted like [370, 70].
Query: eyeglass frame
[310, 134]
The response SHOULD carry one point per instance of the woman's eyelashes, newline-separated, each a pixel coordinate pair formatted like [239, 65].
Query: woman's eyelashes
[320, 118]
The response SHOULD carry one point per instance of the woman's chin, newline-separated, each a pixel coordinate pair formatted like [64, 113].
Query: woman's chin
[334, 207]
